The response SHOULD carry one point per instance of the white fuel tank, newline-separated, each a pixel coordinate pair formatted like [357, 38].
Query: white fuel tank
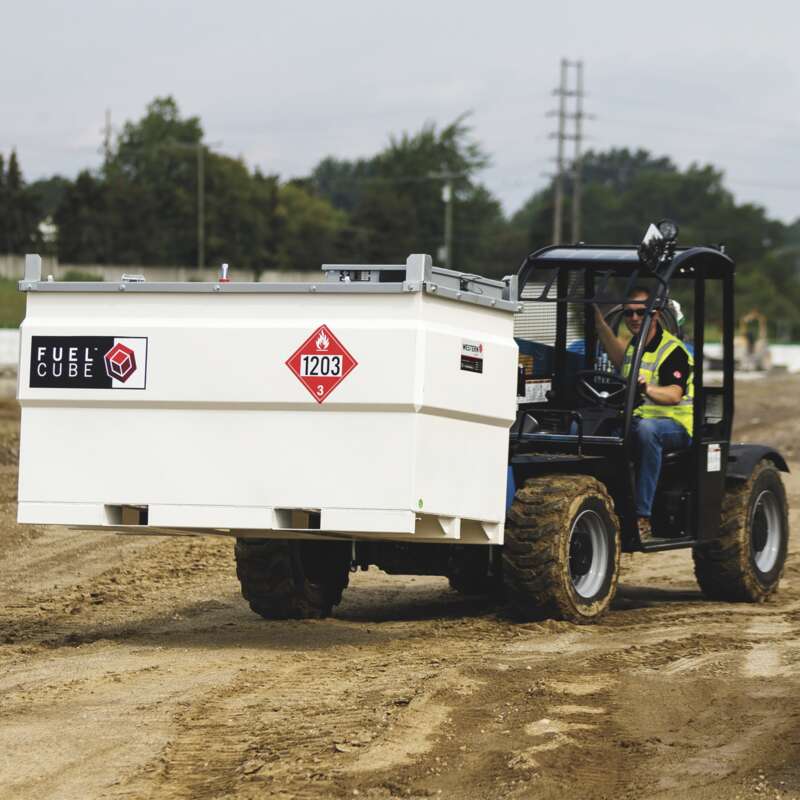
[375, 403]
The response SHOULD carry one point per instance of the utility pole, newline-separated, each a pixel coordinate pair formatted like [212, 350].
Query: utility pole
[561, 135]
[200, 152]
[576, 164]
[201, 210]
[447, 197]
[445, 253]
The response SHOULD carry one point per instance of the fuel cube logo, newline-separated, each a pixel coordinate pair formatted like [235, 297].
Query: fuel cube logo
[120, 362]
[321, 363]
[88, 362]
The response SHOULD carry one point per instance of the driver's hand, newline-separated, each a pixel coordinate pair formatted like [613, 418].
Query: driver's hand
[643, 387]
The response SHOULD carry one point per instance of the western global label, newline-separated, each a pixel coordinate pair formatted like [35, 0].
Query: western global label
[88, 362]
[472, 356]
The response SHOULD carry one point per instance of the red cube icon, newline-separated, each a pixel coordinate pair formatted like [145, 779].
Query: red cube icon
[120, 362]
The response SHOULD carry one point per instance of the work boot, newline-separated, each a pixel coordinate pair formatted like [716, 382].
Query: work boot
[645, 530]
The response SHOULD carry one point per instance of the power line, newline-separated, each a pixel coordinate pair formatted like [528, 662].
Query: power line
[648, 110]
[786, 187]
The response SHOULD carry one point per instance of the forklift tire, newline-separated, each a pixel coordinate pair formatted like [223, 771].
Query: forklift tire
[746, 562]
[292, 579]
[562, 549]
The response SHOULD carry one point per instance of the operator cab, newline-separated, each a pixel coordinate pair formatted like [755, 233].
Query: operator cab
[574, 407]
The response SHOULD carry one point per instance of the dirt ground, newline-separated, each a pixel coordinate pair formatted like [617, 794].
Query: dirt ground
[131, 668]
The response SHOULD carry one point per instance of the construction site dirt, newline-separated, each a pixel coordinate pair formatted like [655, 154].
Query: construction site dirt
[130, 667]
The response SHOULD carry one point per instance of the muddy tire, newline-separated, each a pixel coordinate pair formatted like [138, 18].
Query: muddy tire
[562, 549]
[292, 580]
[746, 562]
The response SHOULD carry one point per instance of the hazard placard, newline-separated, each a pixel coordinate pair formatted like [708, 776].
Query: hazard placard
[321, 363]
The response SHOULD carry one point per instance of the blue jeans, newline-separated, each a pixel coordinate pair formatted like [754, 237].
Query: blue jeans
[653, 437]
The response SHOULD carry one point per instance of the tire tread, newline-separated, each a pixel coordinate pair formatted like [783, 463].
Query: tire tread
[722, 566]
[274, 583]
[534, 569]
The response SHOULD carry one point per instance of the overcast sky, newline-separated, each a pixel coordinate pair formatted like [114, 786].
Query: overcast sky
[284, 84]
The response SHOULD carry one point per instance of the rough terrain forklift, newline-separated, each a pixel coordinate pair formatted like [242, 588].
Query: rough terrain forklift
[572, 473]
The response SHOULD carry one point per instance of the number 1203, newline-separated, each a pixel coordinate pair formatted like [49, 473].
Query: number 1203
[321, 366]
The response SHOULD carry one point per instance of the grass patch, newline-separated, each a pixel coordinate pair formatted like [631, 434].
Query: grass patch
[12, 300]
[12, 304]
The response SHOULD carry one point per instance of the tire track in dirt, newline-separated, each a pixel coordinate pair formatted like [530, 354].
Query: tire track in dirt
[135, 670]
[124, 585]
[297, 729]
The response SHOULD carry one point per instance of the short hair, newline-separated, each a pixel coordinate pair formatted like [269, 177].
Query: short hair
[639, 289]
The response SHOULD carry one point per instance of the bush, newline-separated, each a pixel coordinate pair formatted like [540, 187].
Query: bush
[80, 275]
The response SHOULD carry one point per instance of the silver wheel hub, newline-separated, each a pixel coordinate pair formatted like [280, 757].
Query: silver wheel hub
[765, 531]
[588, 554]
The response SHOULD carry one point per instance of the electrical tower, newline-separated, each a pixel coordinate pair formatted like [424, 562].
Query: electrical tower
[576, 115]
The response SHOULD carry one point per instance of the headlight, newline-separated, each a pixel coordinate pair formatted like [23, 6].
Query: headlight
[668, 229]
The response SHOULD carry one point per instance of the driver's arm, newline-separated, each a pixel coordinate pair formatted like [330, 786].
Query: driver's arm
[662, 395]
[613, 346]
[673, 377]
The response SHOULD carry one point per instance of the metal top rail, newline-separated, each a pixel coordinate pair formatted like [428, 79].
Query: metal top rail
[417, 275]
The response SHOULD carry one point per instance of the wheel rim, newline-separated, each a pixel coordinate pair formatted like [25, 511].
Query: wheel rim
[765, 531]
[588, 554]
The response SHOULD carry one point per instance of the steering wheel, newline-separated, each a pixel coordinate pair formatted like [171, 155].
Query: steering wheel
[599, 388]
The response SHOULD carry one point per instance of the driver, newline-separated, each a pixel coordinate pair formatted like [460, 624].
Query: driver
[664, 421]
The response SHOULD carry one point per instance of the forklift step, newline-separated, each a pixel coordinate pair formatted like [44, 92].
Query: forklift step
[656, 545]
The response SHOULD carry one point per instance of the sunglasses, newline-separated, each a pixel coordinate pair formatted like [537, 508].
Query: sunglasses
[635, 312]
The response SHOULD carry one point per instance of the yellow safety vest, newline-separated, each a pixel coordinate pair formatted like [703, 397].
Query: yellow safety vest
[683, 412]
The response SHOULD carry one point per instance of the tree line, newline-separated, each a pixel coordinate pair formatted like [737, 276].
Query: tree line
[140, 207]
[19, 208]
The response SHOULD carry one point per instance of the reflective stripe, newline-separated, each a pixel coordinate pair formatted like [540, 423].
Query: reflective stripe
[682, 412]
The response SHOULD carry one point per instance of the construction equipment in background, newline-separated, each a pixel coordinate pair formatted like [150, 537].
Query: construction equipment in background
[750, 345]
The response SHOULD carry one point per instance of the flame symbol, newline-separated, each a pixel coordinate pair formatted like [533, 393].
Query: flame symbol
[323, 342]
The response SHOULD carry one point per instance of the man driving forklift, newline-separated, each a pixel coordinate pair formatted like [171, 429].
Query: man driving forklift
[664, 419]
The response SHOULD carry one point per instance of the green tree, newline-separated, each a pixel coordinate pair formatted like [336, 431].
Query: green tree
[20, 215]
[82, 220]
[792, 233]
[312, 228]
[394, 199]
[624, 190]
[3, 206]
[343, 183]
[142, 206]
[47, 194]
[243, 223]
[152, 178]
